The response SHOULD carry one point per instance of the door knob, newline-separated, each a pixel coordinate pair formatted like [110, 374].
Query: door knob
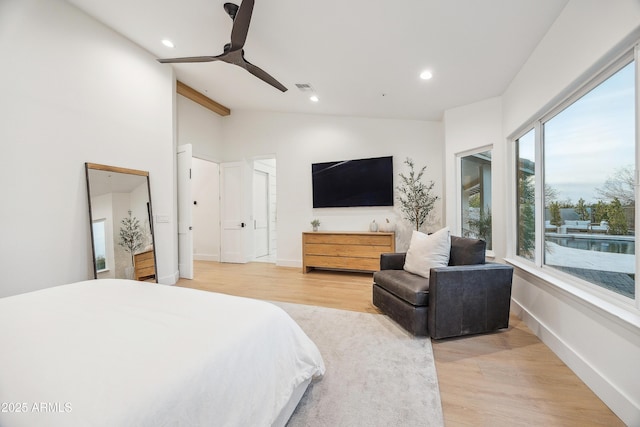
[243, 225]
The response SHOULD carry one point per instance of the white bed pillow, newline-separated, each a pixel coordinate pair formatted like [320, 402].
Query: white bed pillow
[427, 251]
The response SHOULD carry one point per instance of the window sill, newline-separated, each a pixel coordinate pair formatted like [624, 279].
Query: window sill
[622, 313]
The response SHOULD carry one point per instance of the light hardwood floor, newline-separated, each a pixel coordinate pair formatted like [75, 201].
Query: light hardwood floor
[508, 378]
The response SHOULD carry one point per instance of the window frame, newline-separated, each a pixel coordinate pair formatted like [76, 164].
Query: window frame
[516, 196]
[459, 156]
[584, 290]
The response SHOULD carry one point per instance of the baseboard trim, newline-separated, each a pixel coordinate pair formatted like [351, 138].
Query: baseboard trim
[621, 404]
[289, 263]
[206, 257]
[169, 280]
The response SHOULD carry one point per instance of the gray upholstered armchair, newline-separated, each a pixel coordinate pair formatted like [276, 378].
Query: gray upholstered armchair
[468, 296]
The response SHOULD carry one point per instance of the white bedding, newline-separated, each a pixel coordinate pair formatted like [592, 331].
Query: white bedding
[122, 353]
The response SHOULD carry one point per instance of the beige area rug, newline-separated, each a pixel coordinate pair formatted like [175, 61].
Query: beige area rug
[377, 374]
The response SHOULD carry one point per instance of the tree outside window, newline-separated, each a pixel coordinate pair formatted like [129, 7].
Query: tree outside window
[476, 196]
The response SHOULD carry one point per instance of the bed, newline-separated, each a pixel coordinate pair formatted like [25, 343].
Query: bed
[123, 353]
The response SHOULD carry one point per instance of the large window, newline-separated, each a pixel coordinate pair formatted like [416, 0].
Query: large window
[476, 196]
[586, 150]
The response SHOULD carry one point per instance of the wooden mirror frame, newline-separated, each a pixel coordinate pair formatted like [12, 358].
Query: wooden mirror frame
[144, 263]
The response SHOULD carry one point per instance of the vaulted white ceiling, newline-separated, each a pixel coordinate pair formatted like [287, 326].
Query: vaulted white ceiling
[362, 57]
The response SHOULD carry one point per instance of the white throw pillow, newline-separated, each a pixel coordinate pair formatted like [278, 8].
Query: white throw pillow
[427, 251]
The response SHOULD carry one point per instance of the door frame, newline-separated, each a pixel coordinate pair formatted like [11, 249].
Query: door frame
[266, 176]
[185, 217]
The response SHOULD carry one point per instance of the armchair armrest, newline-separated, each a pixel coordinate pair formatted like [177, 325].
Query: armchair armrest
[469, 299]
[392, 261]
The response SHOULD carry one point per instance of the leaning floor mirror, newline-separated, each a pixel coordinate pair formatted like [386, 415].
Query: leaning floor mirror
[121, 223]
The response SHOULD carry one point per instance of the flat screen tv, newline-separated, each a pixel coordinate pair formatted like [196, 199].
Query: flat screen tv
[350, 183]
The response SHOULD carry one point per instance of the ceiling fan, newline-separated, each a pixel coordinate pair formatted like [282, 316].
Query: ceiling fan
[233, 52]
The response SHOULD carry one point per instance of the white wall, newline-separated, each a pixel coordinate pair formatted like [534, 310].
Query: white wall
[73, 91]
[468, 128]
[602, 349]
[199, 127]
[298, 140]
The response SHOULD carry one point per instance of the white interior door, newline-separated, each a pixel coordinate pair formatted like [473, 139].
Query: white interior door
[261, 213]
[185, 236]
[233, 218]
[205, 191]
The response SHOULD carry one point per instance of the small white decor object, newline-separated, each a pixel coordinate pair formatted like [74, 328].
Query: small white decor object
[427, 251]
[373, 226]
[387, 226]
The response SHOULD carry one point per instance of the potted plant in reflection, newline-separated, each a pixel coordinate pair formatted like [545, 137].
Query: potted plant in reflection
[130, 239]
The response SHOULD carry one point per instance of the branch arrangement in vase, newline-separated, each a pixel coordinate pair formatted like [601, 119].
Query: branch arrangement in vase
[416, 198]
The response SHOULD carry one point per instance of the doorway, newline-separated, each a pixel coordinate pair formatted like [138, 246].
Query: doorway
[198, 211]
[204, 193]
[264, 210]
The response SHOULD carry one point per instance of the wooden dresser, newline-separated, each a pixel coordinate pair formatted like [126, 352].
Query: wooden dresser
[345, 250]
[144, 265]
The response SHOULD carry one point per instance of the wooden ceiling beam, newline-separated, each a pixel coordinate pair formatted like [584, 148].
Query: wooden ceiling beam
[208, 103]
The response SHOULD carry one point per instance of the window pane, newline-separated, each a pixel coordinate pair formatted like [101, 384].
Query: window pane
[476, 196]
[589, 152]
[99, 244]
[526, 212]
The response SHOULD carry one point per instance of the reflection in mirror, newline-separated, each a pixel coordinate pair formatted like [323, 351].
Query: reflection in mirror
[121, 226]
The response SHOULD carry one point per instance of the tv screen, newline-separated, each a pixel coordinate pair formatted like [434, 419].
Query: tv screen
[350, 183]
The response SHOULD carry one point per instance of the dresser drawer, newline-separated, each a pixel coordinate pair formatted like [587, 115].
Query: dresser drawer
[359, 251]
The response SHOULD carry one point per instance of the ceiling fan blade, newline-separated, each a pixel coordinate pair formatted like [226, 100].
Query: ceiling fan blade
[264, 76]
[233, 52]
[188, 59]
[241, 24]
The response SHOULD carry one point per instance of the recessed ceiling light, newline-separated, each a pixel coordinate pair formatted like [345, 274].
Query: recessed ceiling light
[426, 75]
[168, 43]
[314, 98]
